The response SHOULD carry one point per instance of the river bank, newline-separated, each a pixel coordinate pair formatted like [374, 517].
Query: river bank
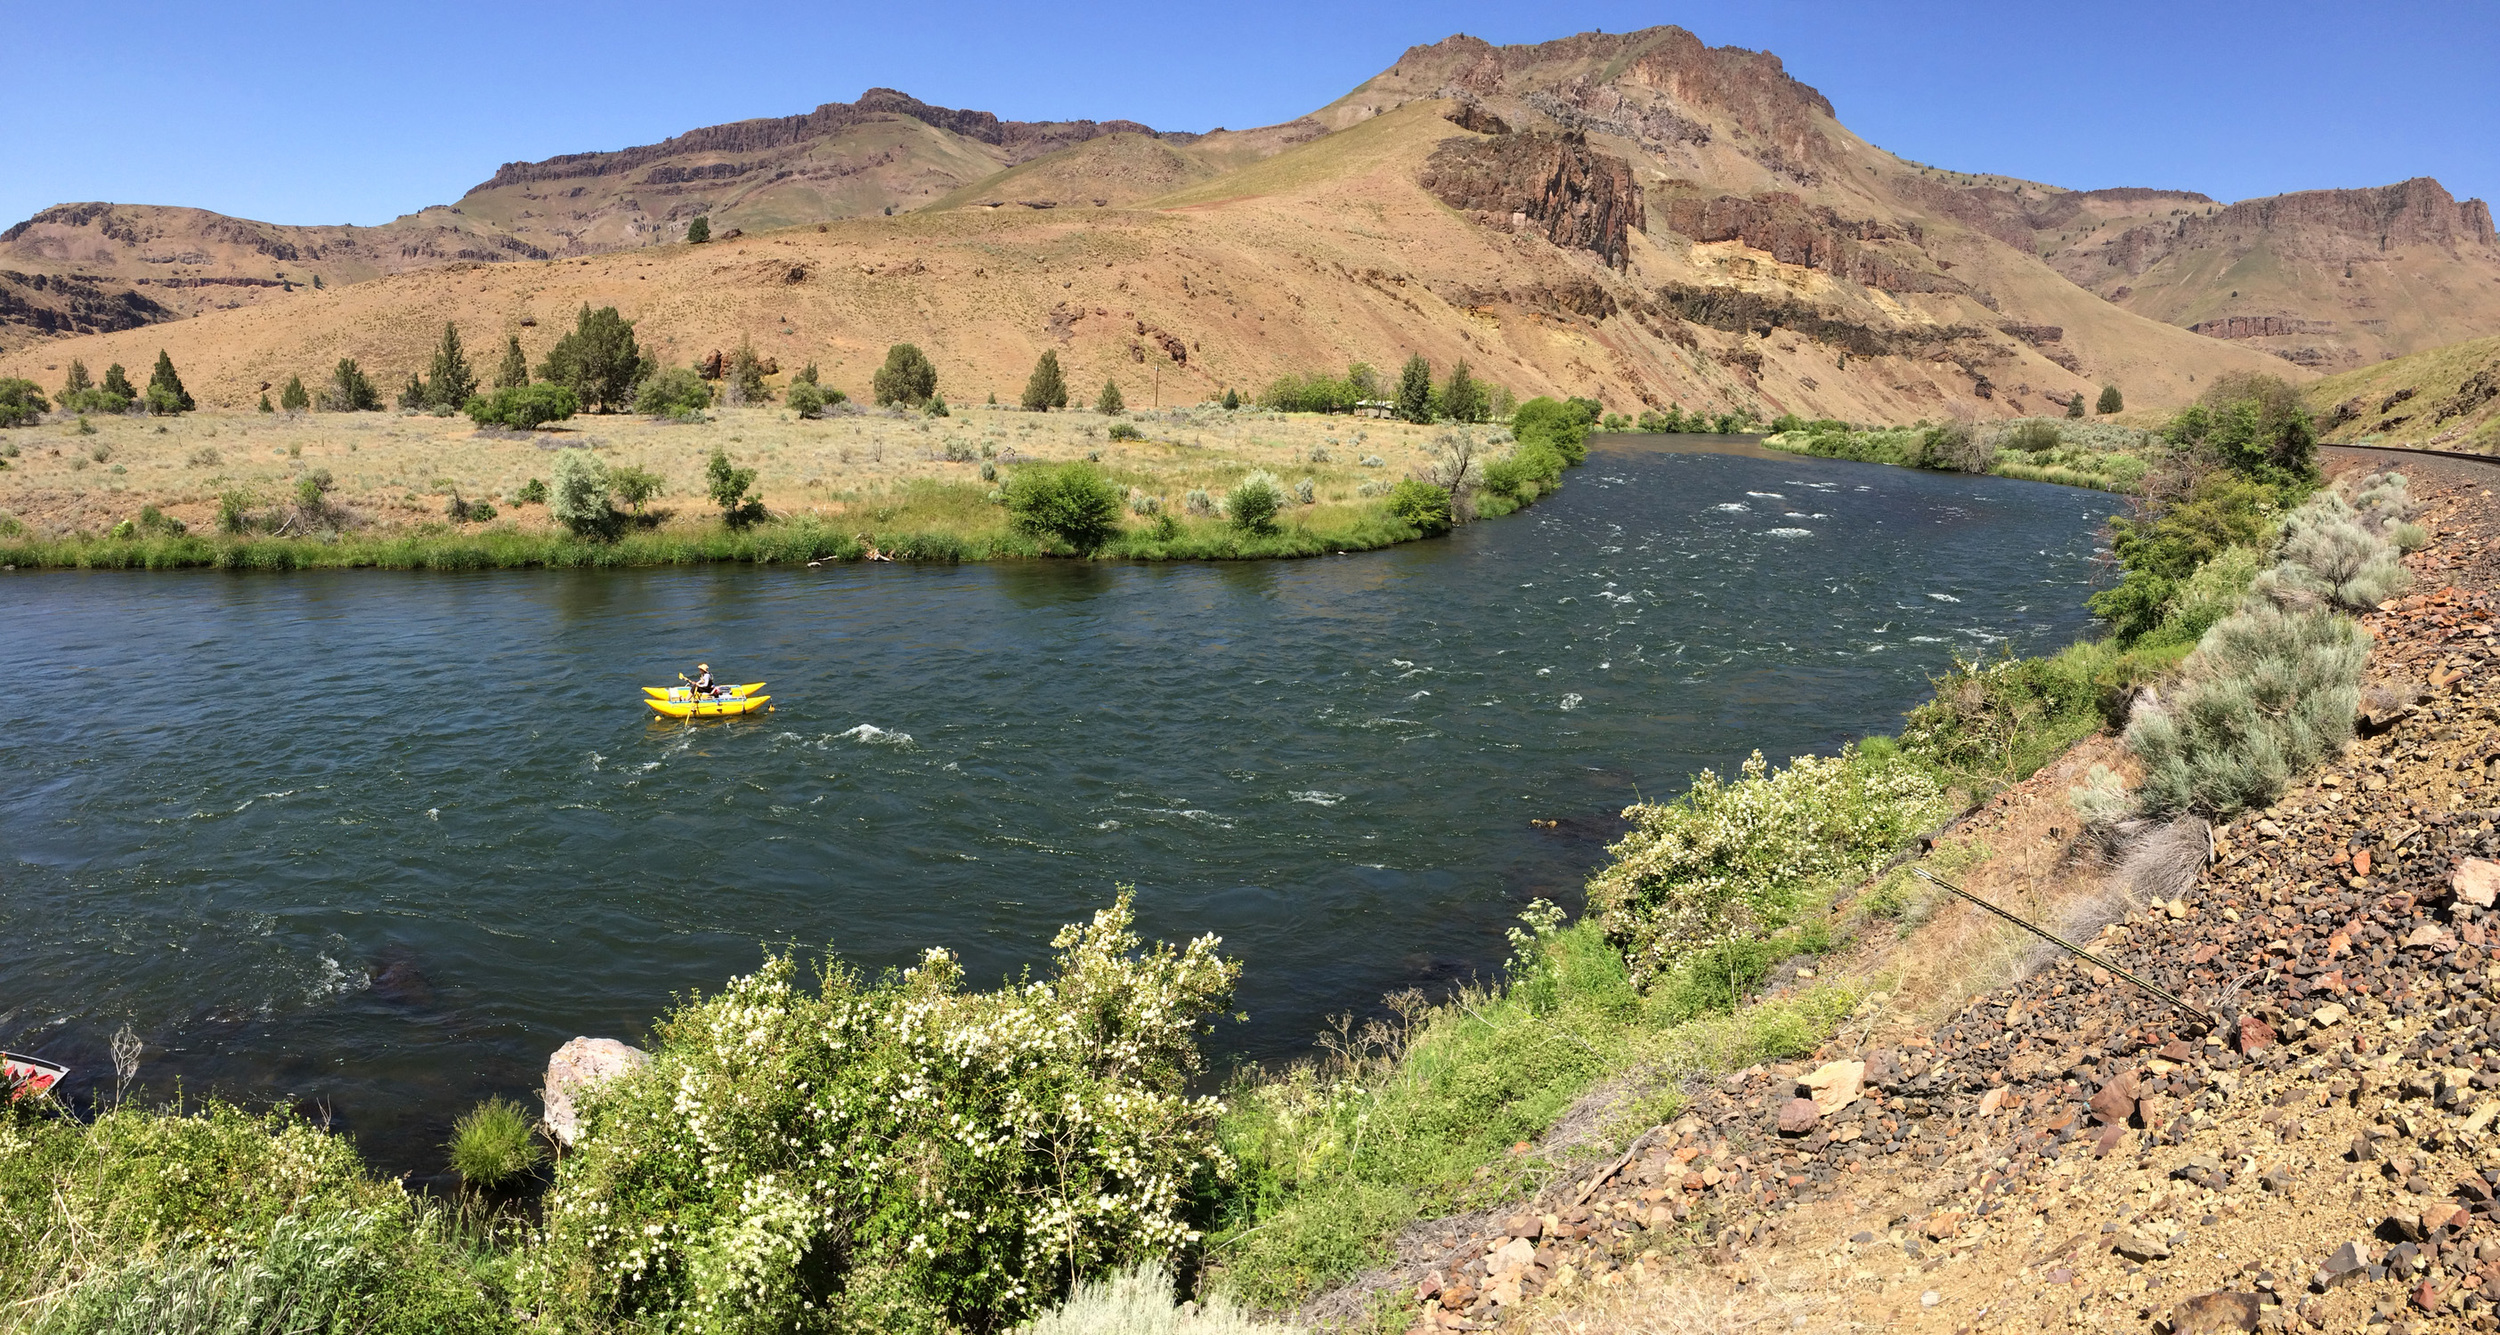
[2001, 1136]
[159, 493]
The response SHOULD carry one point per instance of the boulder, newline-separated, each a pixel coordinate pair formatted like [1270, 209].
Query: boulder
[577, 1067]
[2477, 882]
[1835, 1085]
[2216, 1314]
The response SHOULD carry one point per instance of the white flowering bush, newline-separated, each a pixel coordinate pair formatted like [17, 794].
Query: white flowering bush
[900, 1153]
[1728, 861]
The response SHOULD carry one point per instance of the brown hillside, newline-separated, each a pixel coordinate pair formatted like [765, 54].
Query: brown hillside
[2330, 279]
[1637, 217]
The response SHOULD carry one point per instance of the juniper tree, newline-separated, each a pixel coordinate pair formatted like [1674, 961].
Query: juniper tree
[1109, 402]
[1463, 398]
[599, 361]
[699, 231]
[78, 382]
[117, 383]
[166, 380]
[908, 377]
[1046, 389]
[2074, 406]
[412, 396]
[448, 381]
[515, 370]
[1414, 398]
[293, 398]
[746, 376]
[2111, 401]
[351, 391]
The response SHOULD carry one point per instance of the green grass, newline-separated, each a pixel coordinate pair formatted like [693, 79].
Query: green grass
[1413, 1119]
[2091, 453]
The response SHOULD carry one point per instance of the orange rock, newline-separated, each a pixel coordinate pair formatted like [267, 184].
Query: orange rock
[1943, 1224]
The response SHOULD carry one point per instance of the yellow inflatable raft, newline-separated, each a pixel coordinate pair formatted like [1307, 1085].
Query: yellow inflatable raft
[682, 702]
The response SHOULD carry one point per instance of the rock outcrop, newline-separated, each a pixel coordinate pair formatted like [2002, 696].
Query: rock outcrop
[1813, 236]
[62, 304]
[575, 1069]
[2259, 326]
[1579, 198]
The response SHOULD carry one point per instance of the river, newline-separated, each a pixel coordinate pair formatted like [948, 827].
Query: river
[374, 843]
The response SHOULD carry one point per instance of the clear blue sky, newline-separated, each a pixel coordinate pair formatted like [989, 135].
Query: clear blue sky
[305, 113]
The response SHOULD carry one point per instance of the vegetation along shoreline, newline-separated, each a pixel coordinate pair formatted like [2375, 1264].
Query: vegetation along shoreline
[737, 462]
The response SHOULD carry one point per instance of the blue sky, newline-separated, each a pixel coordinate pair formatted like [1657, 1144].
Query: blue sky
[306, 113]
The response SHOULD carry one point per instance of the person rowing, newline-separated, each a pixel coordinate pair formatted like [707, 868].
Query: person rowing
[702, 681]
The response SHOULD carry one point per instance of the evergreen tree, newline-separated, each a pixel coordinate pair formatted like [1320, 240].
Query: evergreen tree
[164, 379]
[316, 282]
[1463, 398]
[1232, 398]
[2074, 406]
[515, 370]
[599, 361]
[412, 396]
[1109, 403]
[78, 382]
[699, 231]
[2110, 400]
[1046, 389]
[449, 382]
[293, 398]
[117, 383]
[265, 405]
[1414, 398]
[908, 377]
[351, 392]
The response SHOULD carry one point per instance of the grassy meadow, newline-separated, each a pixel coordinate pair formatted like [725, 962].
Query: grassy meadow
[912, 486]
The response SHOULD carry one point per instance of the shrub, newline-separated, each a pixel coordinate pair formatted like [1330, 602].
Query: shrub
[2206, 596]
[899, 1153]
[1420, 505]
[2267, 695]
[2254, 425]
[532, 492]
[22, 403]
[1198, 502]
[2220, 510]
[523, 407]
[678, 394]
[1956, 447]
[1560, 426]
[213, 1220]
[492, 1143]
[1140, 1301]
[234, 512]
[1045, 389]
[635, 486]
[1253, 502]
[809, 399]
[579, 499]
[599, 360]
[2034, 436]
[2330, 556]
[1731, 861]
[744, 377]
[2111, 401]
[460, 511]
[729, 485]
[1143, 502]
[907, 377]
[1124, 431]
[1072, 502]
[155, 521]
[699, 231]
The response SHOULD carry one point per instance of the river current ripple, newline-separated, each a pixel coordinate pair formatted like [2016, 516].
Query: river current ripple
[375, 843]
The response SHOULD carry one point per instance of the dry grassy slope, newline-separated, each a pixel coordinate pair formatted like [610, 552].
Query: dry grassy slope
[2447, 398]
[2331, 279]
[1115, 169]
[191, 260]
[1319, 255]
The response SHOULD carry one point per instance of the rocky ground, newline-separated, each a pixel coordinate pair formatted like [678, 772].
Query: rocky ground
[2069, 1151]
